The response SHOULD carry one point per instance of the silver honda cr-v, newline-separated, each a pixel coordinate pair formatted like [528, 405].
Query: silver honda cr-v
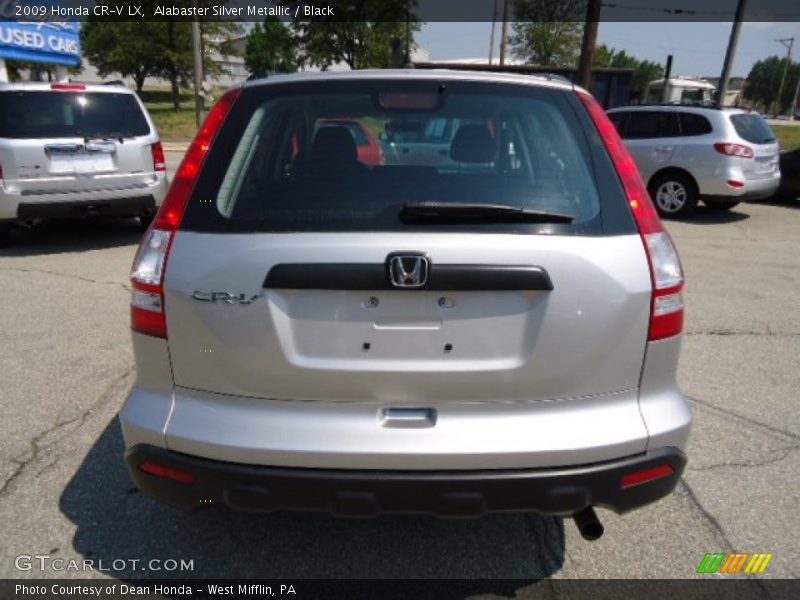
[496, 333]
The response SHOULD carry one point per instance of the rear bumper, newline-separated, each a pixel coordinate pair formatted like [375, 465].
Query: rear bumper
[63, 202]
[364, 493]
[118, 207]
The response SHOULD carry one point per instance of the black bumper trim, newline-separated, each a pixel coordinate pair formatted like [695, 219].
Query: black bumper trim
[357, 493]
[116, 207]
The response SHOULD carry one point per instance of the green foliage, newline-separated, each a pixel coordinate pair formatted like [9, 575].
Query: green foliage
[120, 47]
[154, 49]
[366, 33]
[548, 32]
[765, 79]
[270, 48]
[644, 71]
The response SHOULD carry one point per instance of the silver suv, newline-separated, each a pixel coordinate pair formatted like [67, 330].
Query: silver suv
[499, 335]
[689, 153]
[72, 150]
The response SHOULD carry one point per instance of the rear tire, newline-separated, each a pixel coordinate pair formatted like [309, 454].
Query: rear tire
[144, 221]
[5, 235]
[674, 195]
[720, 204]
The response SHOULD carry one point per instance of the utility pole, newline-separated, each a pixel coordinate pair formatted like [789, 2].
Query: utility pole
[197, 57]
[504, 35]
[491, 35]
[589, 40]
[794, 100]
[788, 42]
[725, 76]
[667, 74]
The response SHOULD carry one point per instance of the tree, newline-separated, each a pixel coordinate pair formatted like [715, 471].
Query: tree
[644, 71]
[120, 47]
[270, 48]
[154, 49]
[548, 32]
[765, 79]
[363, 33]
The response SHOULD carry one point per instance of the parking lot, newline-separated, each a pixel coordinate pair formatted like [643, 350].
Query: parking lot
[66, 365]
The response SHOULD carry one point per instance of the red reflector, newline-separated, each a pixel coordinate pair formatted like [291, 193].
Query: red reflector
[646, 475]
[167, 472]
[171, 212]
[159, 162]
[68, 86]
[148, 322]
[735, 184]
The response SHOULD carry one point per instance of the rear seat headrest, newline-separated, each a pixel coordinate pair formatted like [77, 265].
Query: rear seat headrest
[473, 144]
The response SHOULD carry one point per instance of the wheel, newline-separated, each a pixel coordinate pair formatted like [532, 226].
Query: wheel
[720, 204]
[144, 221]
[674, 194]
[5, 235]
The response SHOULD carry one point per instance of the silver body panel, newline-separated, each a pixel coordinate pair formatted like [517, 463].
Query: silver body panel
[544, 378]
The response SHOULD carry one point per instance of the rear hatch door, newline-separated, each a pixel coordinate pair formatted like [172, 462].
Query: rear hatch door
[72, 141]
[283, 283]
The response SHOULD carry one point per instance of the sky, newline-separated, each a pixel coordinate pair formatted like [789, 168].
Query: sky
[697, 48]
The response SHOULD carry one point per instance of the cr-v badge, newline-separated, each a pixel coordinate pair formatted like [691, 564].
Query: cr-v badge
[225, 297]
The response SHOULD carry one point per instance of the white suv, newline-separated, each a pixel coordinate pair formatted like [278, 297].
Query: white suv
[689, 153]
[71, 150]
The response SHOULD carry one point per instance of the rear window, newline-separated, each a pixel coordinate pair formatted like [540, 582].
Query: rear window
[752, 128]
[287, 162]
[29, 114]
[694, 124]
[355, 129]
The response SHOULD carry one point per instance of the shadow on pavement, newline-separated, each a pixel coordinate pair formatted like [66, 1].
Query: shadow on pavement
[703, 215]
[56, 237]
[114, 521]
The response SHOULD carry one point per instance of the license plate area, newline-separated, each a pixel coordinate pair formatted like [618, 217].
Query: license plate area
[81, 164]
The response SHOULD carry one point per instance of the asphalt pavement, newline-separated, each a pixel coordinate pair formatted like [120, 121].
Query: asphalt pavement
[66, 366]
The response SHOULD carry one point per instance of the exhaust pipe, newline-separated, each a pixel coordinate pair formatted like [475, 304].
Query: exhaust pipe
[588, 524]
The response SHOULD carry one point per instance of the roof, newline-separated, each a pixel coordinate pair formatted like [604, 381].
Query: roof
[36, 86]
[416, 75]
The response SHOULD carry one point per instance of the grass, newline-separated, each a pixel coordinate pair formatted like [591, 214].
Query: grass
[788, 136]
[172, 125]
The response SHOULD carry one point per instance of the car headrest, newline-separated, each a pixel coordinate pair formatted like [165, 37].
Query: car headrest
[334, 144]
[473, 144]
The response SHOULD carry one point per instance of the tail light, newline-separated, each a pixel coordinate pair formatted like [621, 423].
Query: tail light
[666, 274]
[159, 162]
[739, 150]
[149, 266]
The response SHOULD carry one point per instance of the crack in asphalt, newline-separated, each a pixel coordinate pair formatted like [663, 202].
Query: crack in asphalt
[784, 452]
[750, 421]
[712, 520]
[37, 445]
[726, 332]
[124, 286]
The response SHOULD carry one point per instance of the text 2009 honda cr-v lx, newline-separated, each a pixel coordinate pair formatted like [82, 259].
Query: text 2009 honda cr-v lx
[494, 331]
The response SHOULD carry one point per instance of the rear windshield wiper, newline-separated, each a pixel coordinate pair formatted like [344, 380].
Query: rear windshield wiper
[443, 212]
